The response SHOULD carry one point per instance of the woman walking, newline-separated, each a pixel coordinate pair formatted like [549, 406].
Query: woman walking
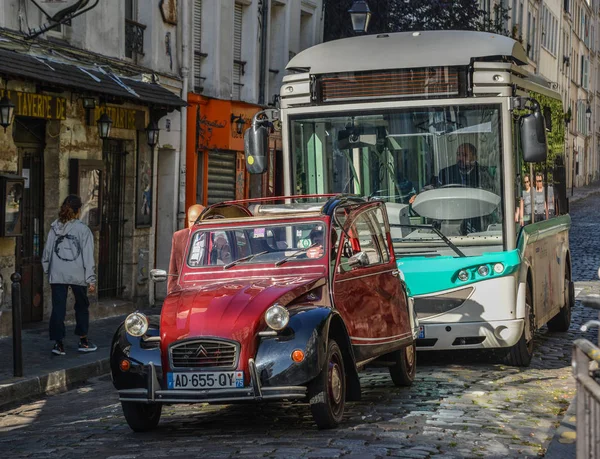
[68, 260]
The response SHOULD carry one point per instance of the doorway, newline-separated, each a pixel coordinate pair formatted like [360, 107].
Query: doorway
[29, 137]
[110, 256]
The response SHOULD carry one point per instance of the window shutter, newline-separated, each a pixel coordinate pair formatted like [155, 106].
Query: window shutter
[237, 51]
[221, 176]
[197, 37]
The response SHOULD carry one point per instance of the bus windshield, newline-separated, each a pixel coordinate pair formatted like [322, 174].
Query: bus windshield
[434, 166]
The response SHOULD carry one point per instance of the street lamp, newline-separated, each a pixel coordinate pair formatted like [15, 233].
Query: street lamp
[588, 112]
[360, 15]
[104, 125]
[7, 112]
[152, 133]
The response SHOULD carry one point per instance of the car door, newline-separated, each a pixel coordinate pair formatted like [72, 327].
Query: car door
[370, 298]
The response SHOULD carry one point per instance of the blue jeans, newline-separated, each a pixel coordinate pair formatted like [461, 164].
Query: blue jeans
[59, 310]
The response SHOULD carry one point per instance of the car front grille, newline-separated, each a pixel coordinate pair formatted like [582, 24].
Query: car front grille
[204, 354]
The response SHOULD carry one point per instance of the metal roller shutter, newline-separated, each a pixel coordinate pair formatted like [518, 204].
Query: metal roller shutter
[197, 25]
[221, 176]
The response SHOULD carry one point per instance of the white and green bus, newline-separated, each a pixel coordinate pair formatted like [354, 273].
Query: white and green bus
[445, 126]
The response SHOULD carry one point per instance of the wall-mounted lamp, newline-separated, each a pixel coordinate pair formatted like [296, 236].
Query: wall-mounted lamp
[89, 103]
[7, 111]
[566, 60]
[588, 112]
[239, 123]
[360, 14]
[152, 131]
[104, 125]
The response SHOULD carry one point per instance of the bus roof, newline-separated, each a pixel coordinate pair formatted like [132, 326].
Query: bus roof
[406, 50]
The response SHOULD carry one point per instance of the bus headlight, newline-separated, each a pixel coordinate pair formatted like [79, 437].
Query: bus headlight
[136, 324]
[277, 317]
[498, 268]
[463, 275]
[483, 270]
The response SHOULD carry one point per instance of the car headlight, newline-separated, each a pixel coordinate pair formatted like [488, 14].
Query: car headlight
[136, 324]
[277, 317]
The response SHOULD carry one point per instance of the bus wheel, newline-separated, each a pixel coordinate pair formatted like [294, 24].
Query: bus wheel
[562, 321]
[520, 354]
[404, 371]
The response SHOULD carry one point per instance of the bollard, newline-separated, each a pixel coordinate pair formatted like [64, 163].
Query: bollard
[16, 323]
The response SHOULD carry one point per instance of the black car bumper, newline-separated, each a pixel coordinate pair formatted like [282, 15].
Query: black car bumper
[153, 393]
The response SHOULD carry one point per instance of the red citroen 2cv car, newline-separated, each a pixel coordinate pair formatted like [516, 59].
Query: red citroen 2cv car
[273, 302]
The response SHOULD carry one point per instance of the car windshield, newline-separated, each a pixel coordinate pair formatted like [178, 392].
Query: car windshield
[438, 165]
[256, 244]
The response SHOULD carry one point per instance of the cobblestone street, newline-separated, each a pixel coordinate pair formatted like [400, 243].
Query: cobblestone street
[460, 406]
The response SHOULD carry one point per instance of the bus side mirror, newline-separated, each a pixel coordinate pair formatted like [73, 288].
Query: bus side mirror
[256, 146]
[533, 137]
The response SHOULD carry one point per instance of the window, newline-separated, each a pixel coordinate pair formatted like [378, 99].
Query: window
[549, 31]
[238, 64]
[362, 229]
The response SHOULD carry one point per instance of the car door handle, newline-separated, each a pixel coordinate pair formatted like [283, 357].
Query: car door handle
[395, 273]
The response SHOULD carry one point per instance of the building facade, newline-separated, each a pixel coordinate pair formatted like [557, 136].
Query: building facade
[117, 59]
[562, 43]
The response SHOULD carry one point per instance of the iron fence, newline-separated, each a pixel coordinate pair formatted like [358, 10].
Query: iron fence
[588, 398]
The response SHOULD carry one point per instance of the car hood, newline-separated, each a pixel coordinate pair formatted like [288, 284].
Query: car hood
[231, 309]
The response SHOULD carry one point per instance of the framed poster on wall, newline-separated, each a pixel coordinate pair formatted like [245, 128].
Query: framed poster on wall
[86, 179]
[144, 191]
[11, 197]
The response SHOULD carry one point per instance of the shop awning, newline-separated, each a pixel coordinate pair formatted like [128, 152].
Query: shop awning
[86, 79]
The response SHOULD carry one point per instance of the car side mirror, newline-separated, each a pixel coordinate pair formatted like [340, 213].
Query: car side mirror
[533, 136]
[358, 260]
[256, 146]
[158, 275]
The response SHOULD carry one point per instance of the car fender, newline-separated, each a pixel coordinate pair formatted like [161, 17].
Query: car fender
[308, 331]
[139, 352]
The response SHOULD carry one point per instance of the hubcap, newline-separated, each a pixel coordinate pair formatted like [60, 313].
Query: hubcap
[410, 356]
[335, 383]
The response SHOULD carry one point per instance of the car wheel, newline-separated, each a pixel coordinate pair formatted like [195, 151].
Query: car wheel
[521, 353]
[404, 371]
[142, 417]
[327, 392]
[562, 321]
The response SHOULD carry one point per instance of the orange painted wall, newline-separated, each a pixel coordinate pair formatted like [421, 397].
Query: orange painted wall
[218, 132]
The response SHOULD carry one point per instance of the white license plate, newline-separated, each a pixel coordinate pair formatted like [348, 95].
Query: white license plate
[421, 334]
[205, 380]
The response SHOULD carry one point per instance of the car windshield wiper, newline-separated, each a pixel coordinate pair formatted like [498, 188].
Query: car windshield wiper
[293, 255]
[247, 258]
[436, 231]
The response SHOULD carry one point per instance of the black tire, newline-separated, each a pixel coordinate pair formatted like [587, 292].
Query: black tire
[562, 321]
[327, 392]
[142, 417]
[404, 371]
[521, 353]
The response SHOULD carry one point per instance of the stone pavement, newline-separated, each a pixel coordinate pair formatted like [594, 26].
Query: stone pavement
[44, 372]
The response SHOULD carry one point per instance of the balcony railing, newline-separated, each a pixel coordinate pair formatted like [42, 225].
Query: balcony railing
[134, 38]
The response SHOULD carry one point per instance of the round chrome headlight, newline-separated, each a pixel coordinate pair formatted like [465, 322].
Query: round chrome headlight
[277, 317]
[136, 324]
[463, 275]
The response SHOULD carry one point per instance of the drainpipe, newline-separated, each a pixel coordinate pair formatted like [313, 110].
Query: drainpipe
[263, 52]
[180, 156]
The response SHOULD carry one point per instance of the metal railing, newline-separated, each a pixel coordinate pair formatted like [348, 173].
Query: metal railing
[586, 361]
[134, 38]
[588, 399]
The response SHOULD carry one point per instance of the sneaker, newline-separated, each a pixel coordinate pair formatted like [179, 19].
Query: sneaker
[58, 348]
[86, 346]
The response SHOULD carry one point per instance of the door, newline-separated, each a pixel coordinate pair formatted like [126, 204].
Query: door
[110, 256]
[32, 240]
[370, 298]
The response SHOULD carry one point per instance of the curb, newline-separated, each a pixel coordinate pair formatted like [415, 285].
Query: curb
[55, 381]
[563, 444]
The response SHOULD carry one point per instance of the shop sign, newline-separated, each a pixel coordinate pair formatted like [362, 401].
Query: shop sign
[36, 105]
[123, 118]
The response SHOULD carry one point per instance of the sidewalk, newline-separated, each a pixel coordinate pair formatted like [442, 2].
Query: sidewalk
[44, 372]
[583, 192]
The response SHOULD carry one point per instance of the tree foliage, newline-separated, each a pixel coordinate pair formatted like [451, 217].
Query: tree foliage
[415, 15]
